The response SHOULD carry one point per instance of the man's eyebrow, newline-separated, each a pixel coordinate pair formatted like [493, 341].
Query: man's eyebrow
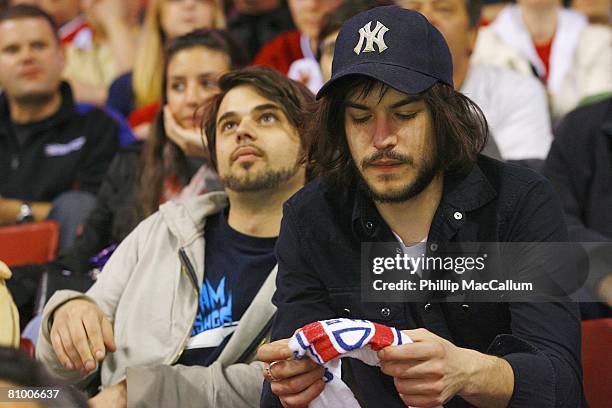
[266, 106]
[258, 108]
[406, 101]
[226, 115]
[9, 45]
[355, 105]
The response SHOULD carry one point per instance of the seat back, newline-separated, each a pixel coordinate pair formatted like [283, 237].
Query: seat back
[597, 361]
[29, 243]
[27, 347]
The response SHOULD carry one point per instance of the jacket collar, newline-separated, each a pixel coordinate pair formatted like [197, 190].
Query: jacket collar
[461, 194]
[186, 220]
[63, 114]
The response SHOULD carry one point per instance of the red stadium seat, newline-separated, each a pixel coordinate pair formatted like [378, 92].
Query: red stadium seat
[29, 243]
[597, 361]
[27, 347]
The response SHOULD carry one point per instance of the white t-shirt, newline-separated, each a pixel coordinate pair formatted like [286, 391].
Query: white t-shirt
[415, 250]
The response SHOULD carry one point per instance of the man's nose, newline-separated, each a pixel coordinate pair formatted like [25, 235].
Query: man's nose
[383, 134]
[245, 130]
[26, 54]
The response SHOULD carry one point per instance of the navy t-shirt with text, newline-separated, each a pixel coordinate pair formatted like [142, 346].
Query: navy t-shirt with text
[236, 266]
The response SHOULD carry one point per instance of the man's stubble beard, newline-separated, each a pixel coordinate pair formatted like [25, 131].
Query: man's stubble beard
[262, 180]
[426, 172]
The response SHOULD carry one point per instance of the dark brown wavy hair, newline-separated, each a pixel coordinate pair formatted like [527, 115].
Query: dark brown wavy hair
[294, 99]
[460, 128]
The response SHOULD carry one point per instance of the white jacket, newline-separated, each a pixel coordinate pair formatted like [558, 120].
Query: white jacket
[580, 59]
[146, 291]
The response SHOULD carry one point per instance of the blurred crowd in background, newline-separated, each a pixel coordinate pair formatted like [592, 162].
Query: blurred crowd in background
[116, 100]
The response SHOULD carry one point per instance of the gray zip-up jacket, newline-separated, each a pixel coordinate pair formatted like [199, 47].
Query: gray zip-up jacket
[149, 290]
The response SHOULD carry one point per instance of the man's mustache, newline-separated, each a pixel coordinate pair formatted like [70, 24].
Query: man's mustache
[386, 155]
[251, 146]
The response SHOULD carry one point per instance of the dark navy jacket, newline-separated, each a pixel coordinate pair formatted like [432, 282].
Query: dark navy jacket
[70, 150]
[319, 278]
[579, 166]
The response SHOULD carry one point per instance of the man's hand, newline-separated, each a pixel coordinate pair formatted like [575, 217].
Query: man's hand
[295, 382]
[432, 370]
[81, 334]
[190, 141]
[114, 396]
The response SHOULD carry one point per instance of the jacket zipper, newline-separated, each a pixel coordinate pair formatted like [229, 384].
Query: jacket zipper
[258, 341]
[187, 265]
[187, 268]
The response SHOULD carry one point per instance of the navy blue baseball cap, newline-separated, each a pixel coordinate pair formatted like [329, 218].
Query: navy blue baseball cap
[393, 45]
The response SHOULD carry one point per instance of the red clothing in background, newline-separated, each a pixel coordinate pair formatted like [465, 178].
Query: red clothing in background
[69, 31]
[543, 51]
[280, 52]
[146, 114]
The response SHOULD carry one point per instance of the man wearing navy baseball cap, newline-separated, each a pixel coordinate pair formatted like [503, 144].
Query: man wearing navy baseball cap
[397, 154]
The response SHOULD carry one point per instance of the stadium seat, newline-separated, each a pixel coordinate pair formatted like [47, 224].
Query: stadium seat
[27, 347]
[29, 243]
[597, 361]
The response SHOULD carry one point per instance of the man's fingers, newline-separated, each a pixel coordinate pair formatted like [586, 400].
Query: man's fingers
[420, 386]
[107, 334]
[61, 354]
[73, 355]
[277, 350]
[419, 334]
[305, 397]
[290, 368]
[420, 351]
[81, 343]
[415, 369]
[93, 330]
[297, 383]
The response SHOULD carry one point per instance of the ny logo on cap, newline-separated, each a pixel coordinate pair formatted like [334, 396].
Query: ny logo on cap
[377, 36]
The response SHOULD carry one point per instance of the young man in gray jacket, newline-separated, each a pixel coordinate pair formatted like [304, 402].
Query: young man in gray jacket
[177, 313]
